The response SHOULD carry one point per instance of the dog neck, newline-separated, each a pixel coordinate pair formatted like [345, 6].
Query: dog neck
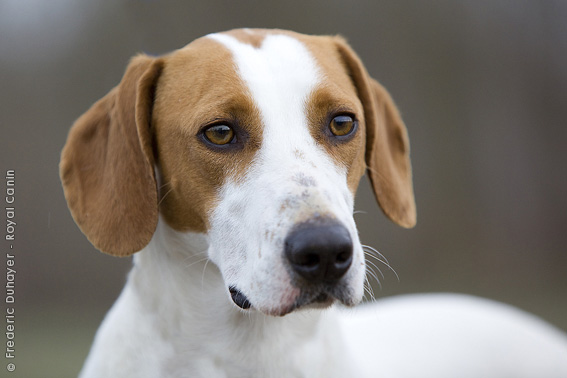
[174, 281]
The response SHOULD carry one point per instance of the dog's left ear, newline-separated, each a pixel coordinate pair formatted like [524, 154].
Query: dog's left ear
[387, 144]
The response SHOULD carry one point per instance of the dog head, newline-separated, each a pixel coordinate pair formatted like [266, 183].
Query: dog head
[259, 139]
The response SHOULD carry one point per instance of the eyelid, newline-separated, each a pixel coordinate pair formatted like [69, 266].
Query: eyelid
[344, 113]
[352, 118]
[216, 122]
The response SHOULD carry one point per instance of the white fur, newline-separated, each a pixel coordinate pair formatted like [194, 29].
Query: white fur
[175, 317]
[248, 226]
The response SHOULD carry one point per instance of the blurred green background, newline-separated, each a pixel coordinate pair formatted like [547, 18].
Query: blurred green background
[482, 86]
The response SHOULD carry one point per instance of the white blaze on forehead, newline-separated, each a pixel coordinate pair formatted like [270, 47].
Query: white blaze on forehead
[280, 75]
[291, 179]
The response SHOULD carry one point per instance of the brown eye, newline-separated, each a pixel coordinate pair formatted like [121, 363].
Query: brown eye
[341, 125]
[219, 134]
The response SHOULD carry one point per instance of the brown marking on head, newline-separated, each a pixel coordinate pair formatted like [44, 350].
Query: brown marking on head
[253, 37]
[325, 103]
[336, 95]
[348, 88]
[198, 87]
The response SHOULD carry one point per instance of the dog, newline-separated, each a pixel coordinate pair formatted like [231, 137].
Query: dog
[228, 168]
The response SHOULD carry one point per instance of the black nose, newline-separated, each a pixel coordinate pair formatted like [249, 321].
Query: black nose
[319, 252]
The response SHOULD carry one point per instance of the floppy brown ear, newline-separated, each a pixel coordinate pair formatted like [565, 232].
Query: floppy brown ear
[107, 164]
[387, 144]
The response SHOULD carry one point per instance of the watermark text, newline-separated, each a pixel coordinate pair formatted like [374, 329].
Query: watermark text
[10, 258]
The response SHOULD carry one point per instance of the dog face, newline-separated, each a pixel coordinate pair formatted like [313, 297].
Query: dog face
[260, 139]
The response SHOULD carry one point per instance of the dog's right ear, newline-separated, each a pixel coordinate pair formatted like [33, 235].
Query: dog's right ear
[107, 164]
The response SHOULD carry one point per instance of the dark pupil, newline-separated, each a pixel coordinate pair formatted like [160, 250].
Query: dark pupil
[221, 131]
[342, 123]
[219, 134]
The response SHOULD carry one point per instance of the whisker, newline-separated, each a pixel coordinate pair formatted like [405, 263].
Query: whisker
[373, 274]
[195, 255]
[371, 263]
[200, 260]
[203, 275]
[368, 288]
[371, 252]
[369, 248]
[165, 195]
[374, 264]
[368, 293]
[373, 256]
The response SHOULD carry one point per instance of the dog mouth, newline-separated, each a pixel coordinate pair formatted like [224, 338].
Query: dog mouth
[307, 299]
[239, 298]
[324, 296]
[322, 301]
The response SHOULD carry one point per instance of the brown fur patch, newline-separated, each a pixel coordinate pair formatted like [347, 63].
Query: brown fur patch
[336, 95]
[200, 86]
[325, 103]
[253, 37]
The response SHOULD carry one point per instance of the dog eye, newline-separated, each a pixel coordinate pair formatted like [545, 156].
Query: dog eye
[342, 125]
[219, 134]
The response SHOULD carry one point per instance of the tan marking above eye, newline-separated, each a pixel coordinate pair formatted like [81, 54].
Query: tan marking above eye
[219, 134]
[342, 125]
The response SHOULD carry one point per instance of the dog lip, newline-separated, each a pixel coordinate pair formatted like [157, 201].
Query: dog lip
[309, 299]
[239, 298]
[319, 300]
[322, 299]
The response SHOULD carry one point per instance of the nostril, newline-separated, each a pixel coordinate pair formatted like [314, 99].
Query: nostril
[344, 257]
[319, 252]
